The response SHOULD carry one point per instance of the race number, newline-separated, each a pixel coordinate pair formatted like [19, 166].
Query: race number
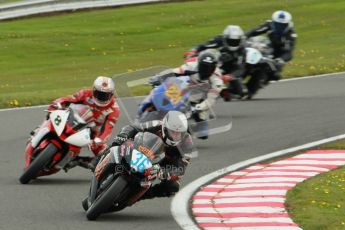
[139, 161]
[57, 120]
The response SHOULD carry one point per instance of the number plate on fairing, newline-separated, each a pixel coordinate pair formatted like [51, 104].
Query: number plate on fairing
[59, 119]
[139, 161]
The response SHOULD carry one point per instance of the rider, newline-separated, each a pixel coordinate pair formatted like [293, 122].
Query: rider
[102, 103]
[282, 36]
[206, 78]
[178, 148]
[231, 46]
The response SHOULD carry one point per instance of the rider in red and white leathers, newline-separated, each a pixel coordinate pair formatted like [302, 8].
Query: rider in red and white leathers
[102, 103]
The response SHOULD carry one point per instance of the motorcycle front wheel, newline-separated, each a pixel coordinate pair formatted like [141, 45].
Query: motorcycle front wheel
[38, 163]
[107, 198]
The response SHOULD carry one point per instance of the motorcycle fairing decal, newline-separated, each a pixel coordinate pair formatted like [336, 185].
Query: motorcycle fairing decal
[80, 139]
[174, 93]
[139, 161]
[59, 118]
[170, 95]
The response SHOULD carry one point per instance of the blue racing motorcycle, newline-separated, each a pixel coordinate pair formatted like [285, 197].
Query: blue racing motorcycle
[171, 94]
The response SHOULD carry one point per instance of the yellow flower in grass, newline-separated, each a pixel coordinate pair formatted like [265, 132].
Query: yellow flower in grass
[13, 102]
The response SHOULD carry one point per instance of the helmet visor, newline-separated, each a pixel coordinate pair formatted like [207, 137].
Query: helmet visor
[102, 96]
[233, 42]
[279, 28]
[205, 70]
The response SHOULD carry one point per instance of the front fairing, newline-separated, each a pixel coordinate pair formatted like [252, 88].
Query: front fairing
[81, 138]
[59, 118]
[171, 95]
[78, 125]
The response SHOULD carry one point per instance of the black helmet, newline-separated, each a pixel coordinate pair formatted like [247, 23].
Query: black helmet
[207, 63]
[150, 145]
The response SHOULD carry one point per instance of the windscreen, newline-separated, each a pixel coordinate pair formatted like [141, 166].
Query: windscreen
[150, 145]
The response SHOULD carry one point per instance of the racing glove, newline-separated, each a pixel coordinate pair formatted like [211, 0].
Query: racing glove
[120, 139]
[201, 106]
[97, 146]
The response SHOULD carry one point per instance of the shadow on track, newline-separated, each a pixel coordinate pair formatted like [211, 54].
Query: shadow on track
[58, 181]
[124, 216]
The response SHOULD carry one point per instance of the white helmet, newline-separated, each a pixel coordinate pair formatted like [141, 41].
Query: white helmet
[233, 37]
[281, 22]
[103, 91]
[174, 127]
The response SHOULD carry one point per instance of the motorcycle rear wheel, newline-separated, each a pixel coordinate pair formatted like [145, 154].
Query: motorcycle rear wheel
[38, 163]
[105, 200]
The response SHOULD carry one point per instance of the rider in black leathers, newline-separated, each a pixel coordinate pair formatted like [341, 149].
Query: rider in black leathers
[231, 47]
[177, 153]
[283, 38]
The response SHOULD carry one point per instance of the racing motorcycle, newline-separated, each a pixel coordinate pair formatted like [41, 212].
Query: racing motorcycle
[168, 93]
[124, 174]
[174, 93]
[57, 143]
[260, 64]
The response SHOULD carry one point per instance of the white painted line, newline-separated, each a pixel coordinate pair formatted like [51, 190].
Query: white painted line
[297, 167]
[245, 193]
[239, 200]
[277, 173]
[180, 204]
[24, 108]
[331, 155]
[249, 185]
[244, 220]
[309, 77]
[260, 209]
[308, 162]
[268, 179]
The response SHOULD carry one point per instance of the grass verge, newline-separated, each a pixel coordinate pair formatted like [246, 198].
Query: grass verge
[44, 58]
[319, 203]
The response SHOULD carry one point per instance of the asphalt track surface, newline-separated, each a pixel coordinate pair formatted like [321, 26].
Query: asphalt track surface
[284, 114]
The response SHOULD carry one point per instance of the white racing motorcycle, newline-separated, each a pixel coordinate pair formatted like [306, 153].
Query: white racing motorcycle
[58, 141]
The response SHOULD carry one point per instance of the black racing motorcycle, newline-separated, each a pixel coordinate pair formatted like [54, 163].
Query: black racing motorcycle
[260, 65]
[124, 174]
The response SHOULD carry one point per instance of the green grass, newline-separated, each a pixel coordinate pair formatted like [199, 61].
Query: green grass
[319, 203]
[8, 1]
[47, 57]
